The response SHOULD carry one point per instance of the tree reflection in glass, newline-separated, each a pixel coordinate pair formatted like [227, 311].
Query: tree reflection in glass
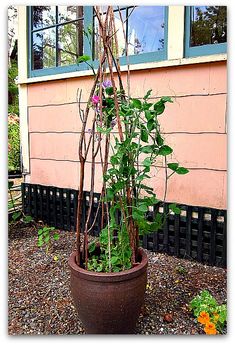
[44, 49]
[43, 16]
[208, 25]
[70, 43]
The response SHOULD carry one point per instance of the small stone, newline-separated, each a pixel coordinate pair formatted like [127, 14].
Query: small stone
[168, 317]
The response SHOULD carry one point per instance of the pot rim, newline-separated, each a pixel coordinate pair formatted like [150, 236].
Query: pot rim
[112, 276]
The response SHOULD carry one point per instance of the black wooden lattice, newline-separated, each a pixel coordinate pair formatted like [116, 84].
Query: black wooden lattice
[198, 233]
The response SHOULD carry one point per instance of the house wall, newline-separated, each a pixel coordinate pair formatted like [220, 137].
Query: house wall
[194, 125]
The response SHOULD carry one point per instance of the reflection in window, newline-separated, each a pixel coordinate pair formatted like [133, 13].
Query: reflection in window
[68, 13]
[57, 35]
[118, 26]
[208, 25]
[44, 49]
[70, 43]
[146, 30]
[143, 26]
[43, 16]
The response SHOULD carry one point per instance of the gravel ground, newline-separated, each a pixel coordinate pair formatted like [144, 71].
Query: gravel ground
[40, 301]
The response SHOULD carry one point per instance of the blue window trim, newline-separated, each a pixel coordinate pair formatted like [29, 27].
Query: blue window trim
[207, 49]
[88, 19]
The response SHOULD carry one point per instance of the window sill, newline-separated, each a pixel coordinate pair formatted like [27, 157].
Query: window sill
[133, 67]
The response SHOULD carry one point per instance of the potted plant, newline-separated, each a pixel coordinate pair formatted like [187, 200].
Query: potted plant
[109, 274]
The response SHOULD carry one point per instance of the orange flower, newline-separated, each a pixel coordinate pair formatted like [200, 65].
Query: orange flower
[210, 328]
[203, 318]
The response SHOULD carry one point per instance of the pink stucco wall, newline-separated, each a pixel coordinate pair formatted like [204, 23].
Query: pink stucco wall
[195, 126]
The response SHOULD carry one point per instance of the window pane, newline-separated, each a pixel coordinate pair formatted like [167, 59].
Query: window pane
[43, 16]
[208, 25]
[97, 47]
[103, 9]
[70, 43]
[120, 34]
[67, 13]
[119, 29]
[43, 49]
[146, 30]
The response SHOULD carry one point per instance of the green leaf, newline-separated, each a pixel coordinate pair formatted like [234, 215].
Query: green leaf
[56, 236]
[151, 125]
[166, 99]
[16, 215]
[147, 188]
[147, 169]
[118, 186]
[157, 223]
[136, 103]
[114, 260]
[159, 107]
[143, 208]
[99, 268]
[109, 90]
[46, 238]
[147, 106]
[92, 247]
[160, 140]
[103, 130]
[137, 215]
[146, 149]
[148, 94]
[144, 226]
[140, 178]
[114, 160]
[148, 115]
[165, 150]
[10, 204]
[144, 134]
[10, 184]
[113, 171]
[40, 231]
[40, 243]
[147, 162]
[83, 58]
[173, 166]
[182, 171]
[27, 219]
[174, 208]
[109, 193]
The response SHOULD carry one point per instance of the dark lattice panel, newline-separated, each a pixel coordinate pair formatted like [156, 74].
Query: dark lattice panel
[198, 233]
[54, 206]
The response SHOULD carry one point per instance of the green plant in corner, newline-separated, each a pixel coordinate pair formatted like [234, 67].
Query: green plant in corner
[13, 142]
[45, 236]
[208, 312]
[17, 215]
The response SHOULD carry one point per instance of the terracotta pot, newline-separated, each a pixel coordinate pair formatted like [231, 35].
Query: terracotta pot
[109, 303]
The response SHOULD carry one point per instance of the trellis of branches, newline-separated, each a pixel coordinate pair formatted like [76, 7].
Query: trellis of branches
[108, 57]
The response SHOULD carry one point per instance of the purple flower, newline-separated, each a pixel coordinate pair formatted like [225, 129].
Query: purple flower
[107, 83]
[113, 123]
[89, 130]
[95, 99]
